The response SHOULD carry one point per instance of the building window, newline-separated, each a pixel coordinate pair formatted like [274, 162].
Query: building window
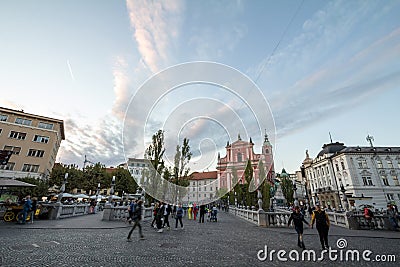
[390, 164]
[30, 168]
[15, 149]
[385, 180]
[41, 139]
[239, 157]
[362, 163]
[379, 163]
[23, 121]
[9, 167]
[45, 125]
[1, 130]
[194, 195]
[337, 166]
[395, 180]
[342, 163]
[390, 197]
[367, 180]
[17, 135]
[3, 117]
[35, 153]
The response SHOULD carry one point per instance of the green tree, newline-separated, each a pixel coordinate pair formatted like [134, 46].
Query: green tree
[124, 182]
[155, 153]
[249, 197]
[287, 189]
[181, 169]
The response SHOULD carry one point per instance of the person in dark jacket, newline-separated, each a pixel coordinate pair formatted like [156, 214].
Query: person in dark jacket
[322, 223]
[178, 216]
[202, 213]
[298, 218]
[160, 217]
[137, 216]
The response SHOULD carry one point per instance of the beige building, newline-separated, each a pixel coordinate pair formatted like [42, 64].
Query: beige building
[34, 141]
[202, 187]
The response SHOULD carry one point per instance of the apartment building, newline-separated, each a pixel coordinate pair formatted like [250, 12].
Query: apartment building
[34, 141]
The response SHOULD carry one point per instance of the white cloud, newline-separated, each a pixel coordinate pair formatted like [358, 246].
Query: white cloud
[155, 24]
[338, 60]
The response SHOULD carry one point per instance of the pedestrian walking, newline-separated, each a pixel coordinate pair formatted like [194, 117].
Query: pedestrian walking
[178, 216]
[195, 209]
[391, 212]
[137, 216]
[298, 218]
[202, 213]
[26, 208]
[155, 209]
[160, 216]
[322, 224]
[34, 208]
[131, 210]
[190, 211]
[167, 212]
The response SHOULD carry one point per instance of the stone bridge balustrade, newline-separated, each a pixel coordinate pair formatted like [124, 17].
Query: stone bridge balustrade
[120, 213]
[280, 218]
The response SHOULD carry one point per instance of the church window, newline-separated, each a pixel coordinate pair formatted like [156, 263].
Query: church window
[239, 157]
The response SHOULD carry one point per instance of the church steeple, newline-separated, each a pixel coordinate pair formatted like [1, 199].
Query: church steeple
[266, 140]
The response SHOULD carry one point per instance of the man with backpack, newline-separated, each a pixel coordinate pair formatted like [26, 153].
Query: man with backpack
[322, 224]
[137, 216]
[131, 210]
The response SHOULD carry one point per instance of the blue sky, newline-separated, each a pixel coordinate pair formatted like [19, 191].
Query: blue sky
[323, 66]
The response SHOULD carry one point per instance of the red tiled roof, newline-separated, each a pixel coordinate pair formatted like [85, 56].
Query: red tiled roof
[203, 175]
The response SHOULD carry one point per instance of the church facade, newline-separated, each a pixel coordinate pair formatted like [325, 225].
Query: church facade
[232, 167]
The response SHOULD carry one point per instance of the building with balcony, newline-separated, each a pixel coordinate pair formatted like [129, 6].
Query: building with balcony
[34, 141]
[367, 175]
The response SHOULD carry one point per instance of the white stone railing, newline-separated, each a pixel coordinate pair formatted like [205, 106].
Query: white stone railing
[73, 210]
[120, 213]
[262, 218]
[339, 219]
[249, 215]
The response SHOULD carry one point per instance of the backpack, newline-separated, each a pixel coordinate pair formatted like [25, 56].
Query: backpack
[132, 207]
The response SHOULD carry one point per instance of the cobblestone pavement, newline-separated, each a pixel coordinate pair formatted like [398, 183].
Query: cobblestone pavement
[88, 241]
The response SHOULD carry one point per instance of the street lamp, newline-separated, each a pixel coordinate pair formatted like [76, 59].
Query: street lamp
[235, 203]
[111, 190]
[62, 189]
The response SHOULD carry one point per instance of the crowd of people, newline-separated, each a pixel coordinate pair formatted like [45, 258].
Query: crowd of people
[322, 223]
[162, 213]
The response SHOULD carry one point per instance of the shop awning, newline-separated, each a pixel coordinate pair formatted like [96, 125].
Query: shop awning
[5, 182]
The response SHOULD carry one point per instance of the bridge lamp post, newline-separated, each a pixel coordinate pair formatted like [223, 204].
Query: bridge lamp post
[62, 189]
[111, 190]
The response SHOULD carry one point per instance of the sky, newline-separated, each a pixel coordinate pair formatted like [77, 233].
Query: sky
[315, 69]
